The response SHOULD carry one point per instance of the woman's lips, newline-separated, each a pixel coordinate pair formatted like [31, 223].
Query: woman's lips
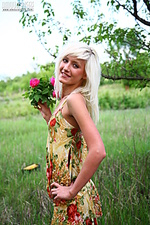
[65, 74]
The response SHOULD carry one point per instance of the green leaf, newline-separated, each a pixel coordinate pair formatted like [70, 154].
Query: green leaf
[45, 91]
[43, 23]
[46, 11]
[37, 97]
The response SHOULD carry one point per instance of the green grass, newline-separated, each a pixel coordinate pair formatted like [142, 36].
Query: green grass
[14, 105]
[122, 178]
[23, 196]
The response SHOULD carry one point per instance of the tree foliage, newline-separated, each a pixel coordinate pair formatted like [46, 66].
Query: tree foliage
[138, 9]
[128, 48]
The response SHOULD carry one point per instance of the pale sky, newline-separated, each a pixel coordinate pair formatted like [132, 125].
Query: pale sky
[18, 46]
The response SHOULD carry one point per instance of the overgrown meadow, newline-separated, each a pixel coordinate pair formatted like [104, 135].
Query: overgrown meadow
[122, 178]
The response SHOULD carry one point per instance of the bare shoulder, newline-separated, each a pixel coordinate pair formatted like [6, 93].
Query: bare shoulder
[75, 96]
[76, 101]
[78, 110]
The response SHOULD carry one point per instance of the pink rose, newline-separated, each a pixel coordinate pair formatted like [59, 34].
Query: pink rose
[53, 81]
[54, 94]
[34, 82]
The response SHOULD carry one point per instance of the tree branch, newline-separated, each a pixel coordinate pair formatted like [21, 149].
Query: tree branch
[39, 38]
[145, 22]
[125, 78]
[135, 7]
[147, 3]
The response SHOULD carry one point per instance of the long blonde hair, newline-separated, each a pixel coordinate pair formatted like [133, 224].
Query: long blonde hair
[93, 71]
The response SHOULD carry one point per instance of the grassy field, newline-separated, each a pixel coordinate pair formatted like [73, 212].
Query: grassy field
[122, 178]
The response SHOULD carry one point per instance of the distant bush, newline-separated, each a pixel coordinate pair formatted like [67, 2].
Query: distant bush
[122, 99]
[2, 85]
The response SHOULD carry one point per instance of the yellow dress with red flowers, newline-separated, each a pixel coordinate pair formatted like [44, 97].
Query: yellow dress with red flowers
[66, 153]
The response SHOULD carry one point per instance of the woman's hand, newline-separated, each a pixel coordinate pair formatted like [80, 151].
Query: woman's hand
[45, 111]
[61, 192]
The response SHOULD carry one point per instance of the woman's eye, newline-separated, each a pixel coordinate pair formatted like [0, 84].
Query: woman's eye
[65, 60]
[75, 66]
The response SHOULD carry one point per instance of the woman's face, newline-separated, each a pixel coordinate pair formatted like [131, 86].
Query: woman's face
[72, 71]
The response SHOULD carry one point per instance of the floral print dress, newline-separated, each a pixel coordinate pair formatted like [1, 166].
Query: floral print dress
[66, 153]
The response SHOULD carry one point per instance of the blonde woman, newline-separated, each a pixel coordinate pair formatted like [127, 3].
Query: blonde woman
[75, 148]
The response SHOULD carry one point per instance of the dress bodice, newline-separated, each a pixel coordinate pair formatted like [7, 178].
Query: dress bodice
[67, 149]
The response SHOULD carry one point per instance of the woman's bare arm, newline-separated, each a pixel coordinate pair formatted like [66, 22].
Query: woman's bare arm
[92, 137]
[45, 111]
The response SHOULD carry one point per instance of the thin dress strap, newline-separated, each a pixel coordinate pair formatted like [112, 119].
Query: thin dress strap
[63, 103]
[60, 107]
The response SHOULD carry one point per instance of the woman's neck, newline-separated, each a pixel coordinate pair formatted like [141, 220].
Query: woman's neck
[67, 90]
